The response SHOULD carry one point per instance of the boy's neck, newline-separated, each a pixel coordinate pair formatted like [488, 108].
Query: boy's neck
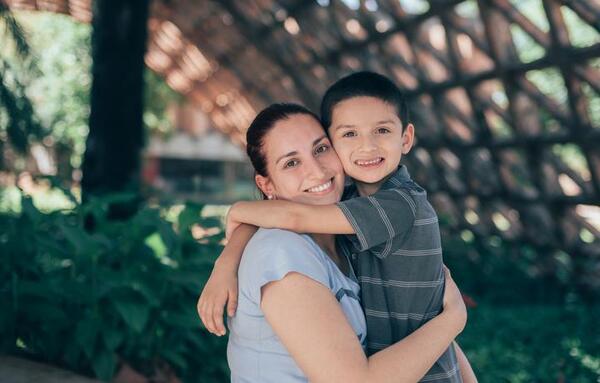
[367, 189]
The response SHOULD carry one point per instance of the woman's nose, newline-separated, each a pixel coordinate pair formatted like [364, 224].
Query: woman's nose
[316, 169]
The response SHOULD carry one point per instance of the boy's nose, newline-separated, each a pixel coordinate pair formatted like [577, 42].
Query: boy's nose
[367, 144]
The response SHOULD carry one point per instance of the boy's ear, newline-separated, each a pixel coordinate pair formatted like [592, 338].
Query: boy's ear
[264, 184]
[408, 138]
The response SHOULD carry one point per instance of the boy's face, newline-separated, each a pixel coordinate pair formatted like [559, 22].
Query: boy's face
[367, 135]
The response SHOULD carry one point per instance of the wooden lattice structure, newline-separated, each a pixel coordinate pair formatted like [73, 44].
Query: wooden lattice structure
[503, 93]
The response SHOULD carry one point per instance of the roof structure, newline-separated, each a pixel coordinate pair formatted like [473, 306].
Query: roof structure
[503, 94]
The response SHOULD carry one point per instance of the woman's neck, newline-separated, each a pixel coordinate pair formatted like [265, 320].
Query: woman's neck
[327, 243]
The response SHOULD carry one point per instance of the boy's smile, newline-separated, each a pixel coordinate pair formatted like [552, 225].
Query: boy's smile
[367, 135]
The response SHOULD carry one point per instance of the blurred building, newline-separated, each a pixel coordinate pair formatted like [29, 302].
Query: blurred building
[196, 162]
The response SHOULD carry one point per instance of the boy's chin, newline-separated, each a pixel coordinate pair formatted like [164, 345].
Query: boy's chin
[368, 177]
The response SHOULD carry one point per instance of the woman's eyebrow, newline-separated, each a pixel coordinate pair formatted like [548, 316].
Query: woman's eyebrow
[295, 152]
[382, 122]
[292, 153]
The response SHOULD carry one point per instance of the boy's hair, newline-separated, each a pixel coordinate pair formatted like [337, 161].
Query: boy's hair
[367, 84]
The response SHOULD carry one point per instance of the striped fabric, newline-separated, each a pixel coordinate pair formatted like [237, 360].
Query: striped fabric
[397, 256]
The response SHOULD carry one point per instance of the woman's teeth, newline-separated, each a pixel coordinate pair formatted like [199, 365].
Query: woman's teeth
[369, 162]
[320, 188]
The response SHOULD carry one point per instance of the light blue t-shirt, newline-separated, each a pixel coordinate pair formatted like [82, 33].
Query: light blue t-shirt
[254, 353]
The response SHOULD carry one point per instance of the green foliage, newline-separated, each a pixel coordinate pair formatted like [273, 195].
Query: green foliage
[58, 88]
[125, 292]
[18, 122]
[533, 343]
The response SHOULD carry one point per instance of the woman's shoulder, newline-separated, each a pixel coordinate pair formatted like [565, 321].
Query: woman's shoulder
[280, 240]
[273, 253]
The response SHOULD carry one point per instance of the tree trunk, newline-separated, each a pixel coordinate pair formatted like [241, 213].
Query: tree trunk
[113, 147]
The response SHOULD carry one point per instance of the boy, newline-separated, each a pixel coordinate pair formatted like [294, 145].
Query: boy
[393, 233]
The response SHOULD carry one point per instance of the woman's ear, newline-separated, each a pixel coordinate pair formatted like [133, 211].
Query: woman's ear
[265, 185]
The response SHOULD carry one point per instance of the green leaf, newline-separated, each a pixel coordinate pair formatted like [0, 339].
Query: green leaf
[189, 320]
[175, 358]
[78, 237]
[104, 363]
[189, 216]
[86, 334]
[135, 314]
[156, 243]
[112, 337]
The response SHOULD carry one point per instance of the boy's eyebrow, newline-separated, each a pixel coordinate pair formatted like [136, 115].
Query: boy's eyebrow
[319, 139]
[341, 126]
[294, 152]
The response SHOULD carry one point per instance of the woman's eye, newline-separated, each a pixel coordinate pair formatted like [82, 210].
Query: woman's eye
[383, 130]
[349, 134]
[291, 163]
[321, 149]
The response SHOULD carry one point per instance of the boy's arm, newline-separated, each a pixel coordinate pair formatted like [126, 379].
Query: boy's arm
[466, 371]
[222, 286]
[293, 216]
[374, 219]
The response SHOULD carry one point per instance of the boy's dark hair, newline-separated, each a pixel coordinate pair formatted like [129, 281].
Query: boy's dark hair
[367, 84]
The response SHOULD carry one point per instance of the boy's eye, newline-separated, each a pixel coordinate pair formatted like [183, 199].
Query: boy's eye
[291, 163]
[321, 149]
[383, 130]
[349, 134]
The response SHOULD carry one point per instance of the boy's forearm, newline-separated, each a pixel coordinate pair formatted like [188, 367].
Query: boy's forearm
[466, 371]
[232, 253]
[293, 216]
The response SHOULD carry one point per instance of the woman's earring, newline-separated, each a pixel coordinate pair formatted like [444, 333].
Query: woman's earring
[269, 197]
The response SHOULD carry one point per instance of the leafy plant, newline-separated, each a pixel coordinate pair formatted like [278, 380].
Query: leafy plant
[123, 293]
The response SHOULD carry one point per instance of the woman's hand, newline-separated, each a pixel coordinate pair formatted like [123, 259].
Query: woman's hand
[454, 305]
[220, 290]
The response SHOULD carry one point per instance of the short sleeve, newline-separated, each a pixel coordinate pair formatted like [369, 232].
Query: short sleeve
[379, 217]
[282, 252]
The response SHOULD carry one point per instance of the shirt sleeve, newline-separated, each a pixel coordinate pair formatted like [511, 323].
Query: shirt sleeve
[282, 253]
[379, 217]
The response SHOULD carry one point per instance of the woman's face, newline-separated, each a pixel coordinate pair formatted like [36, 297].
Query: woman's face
[301, 163]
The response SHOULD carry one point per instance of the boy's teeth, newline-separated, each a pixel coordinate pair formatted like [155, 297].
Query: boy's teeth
[320, 188]
[370, 162]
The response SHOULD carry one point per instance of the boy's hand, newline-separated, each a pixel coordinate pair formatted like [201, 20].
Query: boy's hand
[221, 289]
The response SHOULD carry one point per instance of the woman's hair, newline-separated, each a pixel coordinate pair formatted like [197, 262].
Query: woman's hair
[262, 124]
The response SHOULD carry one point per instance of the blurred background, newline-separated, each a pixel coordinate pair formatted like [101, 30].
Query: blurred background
[122, 131]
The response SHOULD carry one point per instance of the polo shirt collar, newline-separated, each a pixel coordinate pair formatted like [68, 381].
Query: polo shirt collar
[399, 176]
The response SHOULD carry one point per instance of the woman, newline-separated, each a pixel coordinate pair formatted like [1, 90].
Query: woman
[298, 317]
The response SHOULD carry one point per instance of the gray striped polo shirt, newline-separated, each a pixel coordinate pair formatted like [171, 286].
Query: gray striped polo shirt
[397, 256]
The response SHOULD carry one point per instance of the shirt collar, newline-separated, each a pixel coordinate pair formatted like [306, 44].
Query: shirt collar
[398, 177]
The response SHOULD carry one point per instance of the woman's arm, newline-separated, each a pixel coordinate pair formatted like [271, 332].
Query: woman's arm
[466, 371]
[293, 216]
[310, 323]
[222, 287]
